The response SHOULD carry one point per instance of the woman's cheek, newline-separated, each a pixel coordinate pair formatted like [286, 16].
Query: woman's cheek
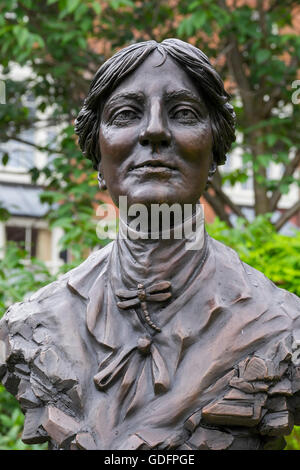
[194, 140]
[116, 141]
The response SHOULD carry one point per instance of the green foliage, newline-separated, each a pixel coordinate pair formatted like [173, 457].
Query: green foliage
[260, 53]
[259, 245]
[56, 39]
[20, 276]
[252, 49]
[293, 440]
[11, 424]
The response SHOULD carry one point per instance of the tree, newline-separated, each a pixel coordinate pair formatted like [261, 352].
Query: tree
[58, 41]
[63, 42]
[256, 46]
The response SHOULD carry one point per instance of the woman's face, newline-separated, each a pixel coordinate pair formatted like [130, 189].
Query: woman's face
[155, 137]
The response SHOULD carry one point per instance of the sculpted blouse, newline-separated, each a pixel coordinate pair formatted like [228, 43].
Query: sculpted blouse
[147, 345]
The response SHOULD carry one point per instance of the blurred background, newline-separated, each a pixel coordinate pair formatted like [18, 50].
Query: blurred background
[49, 52]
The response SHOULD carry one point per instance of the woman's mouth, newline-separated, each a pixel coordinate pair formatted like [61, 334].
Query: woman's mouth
[153, 166]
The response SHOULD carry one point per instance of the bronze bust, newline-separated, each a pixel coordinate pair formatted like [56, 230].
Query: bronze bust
[147, 344]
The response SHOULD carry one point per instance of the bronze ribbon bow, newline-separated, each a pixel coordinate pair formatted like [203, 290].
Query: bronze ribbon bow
[132, 366]
[132, 363]
[140, 296]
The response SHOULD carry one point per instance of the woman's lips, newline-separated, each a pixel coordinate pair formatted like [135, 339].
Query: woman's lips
[153, 166]
[152, 169]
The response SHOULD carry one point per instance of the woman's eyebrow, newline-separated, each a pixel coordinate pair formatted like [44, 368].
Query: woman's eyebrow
[181, 95]
[133, 96]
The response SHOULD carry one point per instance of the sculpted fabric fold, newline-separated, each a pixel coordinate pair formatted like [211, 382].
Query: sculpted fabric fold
[156, 389]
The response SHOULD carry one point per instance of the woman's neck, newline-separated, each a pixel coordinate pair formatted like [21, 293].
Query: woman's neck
[162, 222]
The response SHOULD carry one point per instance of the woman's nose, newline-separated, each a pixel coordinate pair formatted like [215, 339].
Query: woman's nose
[156, 132]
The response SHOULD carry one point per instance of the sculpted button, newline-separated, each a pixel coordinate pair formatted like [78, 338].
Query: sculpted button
[144, 344]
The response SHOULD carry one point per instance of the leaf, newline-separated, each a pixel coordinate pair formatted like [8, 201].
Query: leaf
[193, 5]
[116, 4]
[5, 159]
[4, 214]
[271, 139]
[72, 5]
[262, 55]
[6, 420]
[186, 27]
[82, 42]
[97, 8]
[199, 18]
[265, 159]
[40, 41]
[23, 35]
[284, 188]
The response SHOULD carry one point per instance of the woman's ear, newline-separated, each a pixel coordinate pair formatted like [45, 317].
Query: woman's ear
[101, 180]
[211, 172]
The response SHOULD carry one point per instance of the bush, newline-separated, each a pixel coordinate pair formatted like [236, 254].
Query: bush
[260, 246]
[17, 279]
[11, 424]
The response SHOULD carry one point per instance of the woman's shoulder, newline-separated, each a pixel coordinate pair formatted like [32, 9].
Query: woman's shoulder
[77, 279]
[54, 304]
[260, 285]
[44, 335]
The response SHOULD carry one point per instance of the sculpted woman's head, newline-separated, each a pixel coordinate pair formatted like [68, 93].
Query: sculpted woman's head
[156, 122]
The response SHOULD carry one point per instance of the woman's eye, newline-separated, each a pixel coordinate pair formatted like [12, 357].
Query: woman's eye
[124, 116]
[185, 115]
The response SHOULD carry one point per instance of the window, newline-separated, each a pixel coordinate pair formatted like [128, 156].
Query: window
[21, 156]
[25, 237]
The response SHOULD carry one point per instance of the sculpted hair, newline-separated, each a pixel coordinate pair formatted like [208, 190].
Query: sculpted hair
[127, 60]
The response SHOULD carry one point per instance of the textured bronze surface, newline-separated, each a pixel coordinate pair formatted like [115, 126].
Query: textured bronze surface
[148, 345]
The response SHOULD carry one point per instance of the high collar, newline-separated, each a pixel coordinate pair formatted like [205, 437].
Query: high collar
[90, 280]
[82, 278]
[175, 255]
[190, 231]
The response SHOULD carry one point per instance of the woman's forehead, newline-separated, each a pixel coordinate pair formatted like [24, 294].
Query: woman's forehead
[156, 75]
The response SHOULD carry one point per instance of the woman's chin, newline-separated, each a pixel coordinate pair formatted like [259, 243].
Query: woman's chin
[149, 195]
[150, 200]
